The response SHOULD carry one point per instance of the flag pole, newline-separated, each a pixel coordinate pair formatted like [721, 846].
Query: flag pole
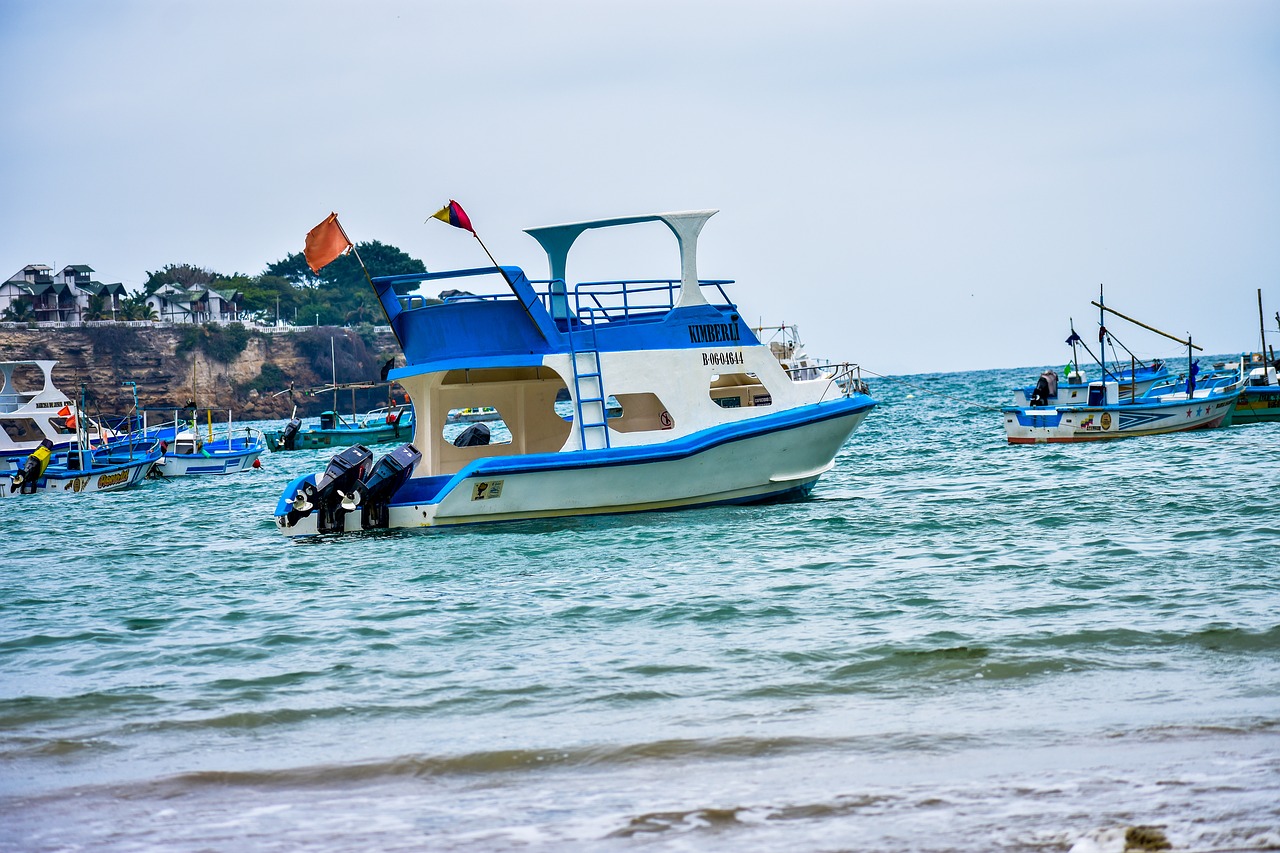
[367, 277]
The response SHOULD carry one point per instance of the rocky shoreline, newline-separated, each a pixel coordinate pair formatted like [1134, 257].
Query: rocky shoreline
[175, 364]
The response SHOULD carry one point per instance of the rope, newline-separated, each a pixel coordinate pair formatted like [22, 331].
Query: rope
[930, 391]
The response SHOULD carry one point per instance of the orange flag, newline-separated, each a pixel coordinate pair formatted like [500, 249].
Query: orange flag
[325, 243]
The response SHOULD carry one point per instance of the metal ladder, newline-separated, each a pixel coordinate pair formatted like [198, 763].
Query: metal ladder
[588, 392]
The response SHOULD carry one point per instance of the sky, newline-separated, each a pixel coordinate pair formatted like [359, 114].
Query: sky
[919, 186]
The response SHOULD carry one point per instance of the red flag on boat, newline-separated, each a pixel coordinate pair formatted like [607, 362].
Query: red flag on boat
[325, 243]
[453, 214]
[64, 411]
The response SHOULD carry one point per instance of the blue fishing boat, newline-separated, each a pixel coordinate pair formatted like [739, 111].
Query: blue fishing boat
[707, 413]
[80, 468]
[1169, 405]
[190, 449]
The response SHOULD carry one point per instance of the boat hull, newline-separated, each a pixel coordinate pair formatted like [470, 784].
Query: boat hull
[765, 461]
[186, 465]
[313, 438]
[1100, 423]
[1257, 405]
[107, 478]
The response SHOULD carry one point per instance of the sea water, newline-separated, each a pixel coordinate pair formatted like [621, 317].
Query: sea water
[953, 645]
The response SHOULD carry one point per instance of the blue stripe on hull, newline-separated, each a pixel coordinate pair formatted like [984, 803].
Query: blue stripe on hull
[430, 490]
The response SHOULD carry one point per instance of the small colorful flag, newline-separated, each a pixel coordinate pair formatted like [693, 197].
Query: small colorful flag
[325, 244]
[453, 214]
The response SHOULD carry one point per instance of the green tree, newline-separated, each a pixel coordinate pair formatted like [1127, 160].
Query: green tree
[340, 293]
[134, 307]
[19, 311]
[97, 308]
[261, 295]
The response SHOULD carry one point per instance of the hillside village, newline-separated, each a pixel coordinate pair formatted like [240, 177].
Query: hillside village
[37, 294]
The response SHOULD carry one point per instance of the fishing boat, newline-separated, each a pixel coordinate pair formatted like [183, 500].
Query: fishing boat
[1260, 396]
[187, 451]
[1170, 405]
[33, 414]
[1132, 380]
[333, 429]
[708, 415]
[81, 468]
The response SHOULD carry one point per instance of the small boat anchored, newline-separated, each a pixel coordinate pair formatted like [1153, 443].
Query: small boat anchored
[35, 415]
[707, 414]
[81, 468]
[187, 451]
[1260, 397]
[1168, 405]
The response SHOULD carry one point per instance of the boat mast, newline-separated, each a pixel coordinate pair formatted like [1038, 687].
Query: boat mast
[1075, 355]
[1262, 328]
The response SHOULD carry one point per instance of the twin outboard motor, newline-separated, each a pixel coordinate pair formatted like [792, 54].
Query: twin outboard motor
[476, 435]
[289, 435]
[26, 480]
[1046, 388]
[383, 482]
[336, 492]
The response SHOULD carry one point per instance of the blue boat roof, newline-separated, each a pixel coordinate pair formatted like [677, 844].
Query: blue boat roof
[537, 319]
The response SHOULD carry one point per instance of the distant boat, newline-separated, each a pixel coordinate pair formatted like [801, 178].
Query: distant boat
[1168, 405]
[377, 426]
[707, 413]
[1260, 397]
[1104, 416]
[187, 450]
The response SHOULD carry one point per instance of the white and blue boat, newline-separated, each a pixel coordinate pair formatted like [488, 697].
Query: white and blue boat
[34, 413]
[108, 467]
[707, 413]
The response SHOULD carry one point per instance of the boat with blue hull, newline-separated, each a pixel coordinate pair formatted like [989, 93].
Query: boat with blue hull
[108, 467]
[705, 414]
[34, 413]
[190, 449]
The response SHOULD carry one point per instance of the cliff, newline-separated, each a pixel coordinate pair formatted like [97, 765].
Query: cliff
[172, 365]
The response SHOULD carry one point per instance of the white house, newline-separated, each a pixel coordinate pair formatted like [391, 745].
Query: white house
[62, 298]
[198, 304]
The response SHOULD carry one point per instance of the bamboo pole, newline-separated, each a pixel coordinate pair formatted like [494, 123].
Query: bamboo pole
[1186, 343]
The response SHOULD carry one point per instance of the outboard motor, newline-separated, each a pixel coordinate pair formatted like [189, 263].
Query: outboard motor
[476, 435]
[383, 482]
[1046, 387]
[25, 481]
[336, 491]
[289, 435]
[328, 420]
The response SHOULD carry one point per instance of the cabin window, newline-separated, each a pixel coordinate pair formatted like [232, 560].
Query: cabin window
[739, 390]
[21, 429]
[458, 420]
[638, 413]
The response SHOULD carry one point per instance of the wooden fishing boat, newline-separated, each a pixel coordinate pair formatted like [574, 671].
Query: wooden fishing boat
[1167, 406]
[1260, 396]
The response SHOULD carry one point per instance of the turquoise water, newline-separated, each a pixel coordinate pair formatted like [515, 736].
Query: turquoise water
[954, 645]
